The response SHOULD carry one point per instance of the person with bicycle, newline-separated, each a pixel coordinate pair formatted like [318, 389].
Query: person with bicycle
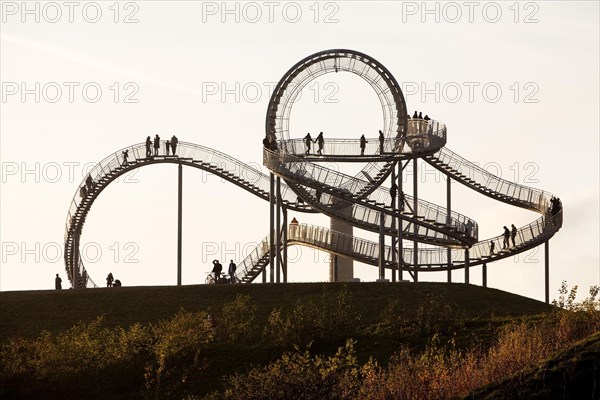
[217, 268]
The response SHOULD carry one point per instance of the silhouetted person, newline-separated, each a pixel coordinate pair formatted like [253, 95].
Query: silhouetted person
[231, 271]
[57, 283]
[89, 183]
[294, 221]
[401, 200]
[320, 142]
[174, 142]
[117, 283]
[415, 115]
[318, 196]
[156, 144]
[555, 205]
[217, 268]
[307, 142]
[469, 228]
[393, 193]
[168, 146]
[125, 155]
[513, 234]
[492, 247]
[428, 126]
[363, 144]
[148, 147]
[273, 144]
[506, 237]
[381, 141]
[109, 280]
[420, 115]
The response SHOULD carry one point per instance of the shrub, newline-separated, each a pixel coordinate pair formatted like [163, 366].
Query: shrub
[237, 320]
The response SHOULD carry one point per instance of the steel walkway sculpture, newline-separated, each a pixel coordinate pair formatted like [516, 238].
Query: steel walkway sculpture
[359, 200]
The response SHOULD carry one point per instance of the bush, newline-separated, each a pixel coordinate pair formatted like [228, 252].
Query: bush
[299, 375]
[176, 351]
[332, 319]
[237, 320]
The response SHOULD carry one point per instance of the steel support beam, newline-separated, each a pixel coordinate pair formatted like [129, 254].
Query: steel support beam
[381, 262]
[484, 275]
[467, 261]
[285, 245]
[278, 232]
[547, 271]
[400, 208]
[392, 237]
[415, 226]
[271, 229]
[179, 222]
[448, 221]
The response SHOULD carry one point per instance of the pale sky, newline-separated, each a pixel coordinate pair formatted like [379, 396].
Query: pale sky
[516, 83]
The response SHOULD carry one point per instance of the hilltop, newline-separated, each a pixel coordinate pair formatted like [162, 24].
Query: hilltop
[165, 342]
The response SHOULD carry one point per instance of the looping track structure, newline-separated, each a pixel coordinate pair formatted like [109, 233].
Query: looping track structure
[303, 185]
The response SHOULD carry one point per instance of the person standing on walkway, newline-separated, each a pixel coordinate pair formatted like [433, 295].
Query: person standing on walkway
[506, 235]
[320, 142]
[148, 147]
[492, 247]
[363, 144]
[156, 144]
[513, 234]
[168, 146]
[307, 142]
[174, 142]
[109, 280]
[381, 141]
[57, 283]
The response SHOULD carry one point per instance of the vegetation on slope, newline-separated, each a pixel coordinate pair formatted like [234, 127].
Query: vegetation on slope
[276, 341]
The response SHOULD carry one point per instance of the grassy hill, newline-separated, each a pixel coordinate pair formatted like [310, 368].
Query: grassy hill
[164, 353]
[27, 313]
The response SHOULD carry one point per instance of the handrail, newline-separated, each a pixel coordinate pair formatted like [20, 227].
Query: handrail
[422, 136]
[534, 199]
[253, 180]
[341, 186]
[368, 251]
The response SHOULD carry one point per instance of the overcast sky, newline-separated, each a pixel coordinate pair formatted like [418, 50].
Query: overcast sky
[516, 84]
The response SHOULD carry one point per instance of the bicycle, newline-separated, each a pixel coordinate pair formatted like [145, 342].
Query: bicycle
[210, 279]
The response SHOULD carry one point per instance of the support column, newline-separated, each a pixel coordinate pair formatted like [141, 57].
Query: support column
[467, 261]
[271, 229]
[179, 222]
[284, 264]
[484, 275]
[335, 268]
[547, 271]
[400, 209]
[415, 227]
[393, 237]
[278, 233]
[381, 246]
[448, 221]
[75, 268]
